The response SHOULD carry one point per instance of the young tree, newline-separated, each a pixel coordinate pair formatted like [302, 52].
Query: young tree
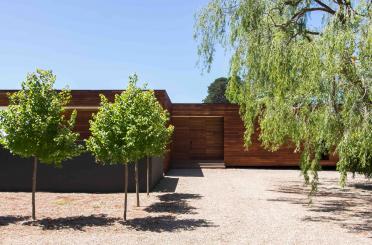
[34, 124]
[136, 108]
[304, 84]
[115, 132]
[149, 124]
[155, 129]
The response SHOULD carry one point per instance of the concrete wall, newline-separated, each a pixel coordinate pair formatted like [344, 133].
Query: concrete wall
[80, 174]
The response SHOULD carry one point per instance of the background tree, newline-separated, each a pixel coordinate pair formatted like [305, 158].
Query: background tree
[34, 124]
[305, 83]
[216, 91]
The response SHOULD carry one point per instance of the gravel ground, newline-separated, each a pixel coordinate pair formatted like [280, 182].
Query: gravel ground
[209, 206]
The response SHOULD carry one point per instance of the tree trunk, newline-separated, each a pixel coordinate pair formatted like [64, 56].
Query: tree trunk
[148, 175]
[34, 172]
[137, 185]
[125, 190]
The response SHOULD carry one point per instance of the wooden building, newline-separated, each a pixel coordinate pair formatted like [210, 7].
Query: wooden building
[204, 133]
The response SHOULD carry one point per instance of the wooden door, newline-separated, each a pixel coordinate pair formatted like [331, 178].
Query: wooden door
[197, 139]
[214, 138]
[180, 149]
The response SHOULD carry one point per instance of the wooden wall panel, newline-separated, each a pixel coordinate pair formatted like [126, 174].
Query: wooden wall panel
[235, 154]
[197, 139]
[87, 101]
[181, 139]
[200, 110]
[89, 98]
[214, 137]
[82, 121]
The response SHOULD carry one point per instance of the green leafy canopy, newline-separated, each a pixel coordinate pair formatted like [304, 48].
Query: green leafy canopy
[132, 127]
[216, 91]
[306, 84]
[34, 124]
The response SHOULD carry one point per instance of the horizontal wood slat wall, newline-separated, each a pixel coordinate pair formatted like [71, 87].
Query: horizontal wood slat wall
[90, 99]
[197, 138]
[256, 155]
[87, 100]
[234, 153]
[214, 137]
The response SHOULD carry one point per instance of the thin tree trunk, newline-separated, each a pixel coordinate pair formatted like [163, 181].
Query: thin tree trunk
[137, 185]
[125, 190]
[34, 172]
[148, 175]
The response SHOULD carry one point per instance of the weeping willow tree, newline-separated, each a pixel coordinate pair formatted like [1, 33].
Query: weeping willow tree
[304, 82]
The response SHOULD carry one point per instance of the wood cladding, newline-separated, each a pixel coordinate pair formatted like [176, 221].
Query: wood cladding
[197, 138]
[82, 121]
[91, 98]
[87, 102]
[214, 137]
[202, 131]
[235, 154]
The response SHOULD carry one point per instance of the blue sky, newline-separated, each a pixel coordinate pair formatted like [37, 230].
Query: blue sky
[98, 44]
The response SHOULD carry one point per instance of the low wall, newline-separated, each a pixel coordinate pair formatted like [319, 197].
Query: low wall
[80, 174]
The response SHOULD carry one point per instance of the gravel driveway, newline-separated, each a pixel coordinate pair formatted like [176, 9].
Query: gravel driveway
[191, 206]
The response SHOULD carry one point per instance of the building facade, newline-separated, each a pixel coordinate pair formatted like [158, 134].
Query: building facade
[204, 133]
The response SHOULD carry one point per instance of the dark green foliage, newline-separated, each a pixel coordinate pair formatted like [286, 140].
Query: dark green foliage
[216, 92]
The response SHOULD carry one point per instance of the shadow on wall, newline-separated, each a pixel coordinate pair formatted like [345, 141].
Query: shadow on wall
[350, 208]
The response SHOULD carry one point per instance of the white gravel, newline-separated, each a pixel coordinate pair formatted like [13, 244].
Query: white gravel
[209, 206]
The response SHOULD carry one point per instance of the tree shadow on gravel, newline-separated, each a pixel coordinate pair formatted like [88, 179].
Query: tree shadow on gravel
[12, 219]
[350, 207]
[175, 203]
[170, 203]
[75, 222]
[166, 223]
